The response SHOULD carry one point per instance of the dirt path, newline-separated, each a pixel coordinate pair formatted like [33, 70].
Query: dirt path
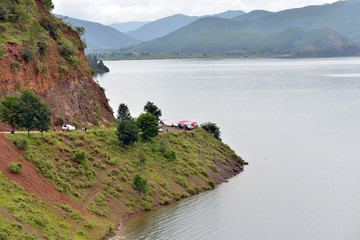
[31, 180]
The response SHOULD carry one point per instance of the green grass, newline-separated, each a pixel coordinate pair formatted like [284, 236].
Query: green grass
[51, 220]
[97, 171]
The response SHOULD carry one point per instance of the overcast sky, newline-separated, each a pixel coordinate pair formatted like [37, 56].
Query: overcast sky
[110, 11]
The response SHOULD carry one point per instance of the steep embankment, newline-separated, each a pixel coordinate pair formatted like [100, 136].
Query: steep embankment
[41, 53]
[95, 171]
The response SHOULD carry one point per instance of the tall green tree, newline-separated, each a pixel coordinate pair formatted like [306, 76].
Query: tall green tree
[43, 119]
[123, 112]
[127, 132]
[140, 184]
[148, 125]
[34, 113]
[151, 108]
[10, 110]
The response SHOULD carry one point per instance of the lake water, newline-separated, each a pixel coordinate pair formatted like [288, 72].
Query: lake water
[296, 121]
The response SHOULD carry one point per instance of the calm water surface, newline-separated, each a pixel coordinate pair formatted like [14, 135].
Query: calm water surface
[296, 121]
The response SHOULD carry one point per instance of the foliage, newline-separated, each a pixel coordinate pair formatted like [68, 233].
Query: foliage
[22, 144]
[34, 113]
[42, 46]
[148, 125]
[15, 167]
[151, 108]
[47, 4]
[10, 110]
[27, 54]
[67, 50]
[77, 164]
[212, 129]
[123, 112]
[140, 184]
[127, 132]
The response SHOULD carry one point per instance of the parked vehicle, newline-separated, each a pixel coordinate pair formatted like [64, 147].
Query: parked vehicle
[68, 128]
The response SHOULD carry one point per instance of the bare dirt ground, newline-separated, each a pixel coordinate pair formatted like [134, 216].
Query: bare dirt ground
[31, 180]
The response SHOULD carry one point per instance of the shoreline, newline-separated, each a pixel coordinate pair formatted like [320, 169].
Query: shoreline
[120, 224]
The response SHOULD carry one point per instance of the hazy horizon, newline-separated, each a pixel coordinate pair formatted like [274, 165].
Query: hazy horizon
[112, 11]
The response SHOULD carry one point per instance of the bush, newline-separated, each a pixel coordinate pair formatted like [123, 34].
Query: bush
[22, 144]
[27, 55]
[181, 181]
[15, 167]
[67, 49]
[146, 206]
[90, 224]
[212, 129]
[64, 69]
[80, 157]
[42, 46]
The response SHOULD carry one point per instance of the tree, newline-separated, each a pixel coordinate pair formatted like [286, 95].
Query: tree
[10, 110]
[151, 108]
[47, 4]
[212, 129]
[148, 125]
[123, 112]
[140, 184]
[127, 132]
[43, 119]
[34, 113]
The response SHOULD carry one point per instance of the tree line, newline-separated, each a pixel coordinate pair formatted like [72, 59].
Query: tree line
[25, 111]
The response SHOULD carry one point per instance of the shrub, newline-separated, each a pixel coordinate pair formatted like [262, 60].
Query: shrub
[67, 49]
[212, 129]
[27, 55]
[146, 206]
[15, 66]
[90, 224]
[22, 144]
[170, 155]
[80, 157]
[15, 167]
[165, 201]
[211, 183]
[64, 69]
[42, 46]
[181, 181]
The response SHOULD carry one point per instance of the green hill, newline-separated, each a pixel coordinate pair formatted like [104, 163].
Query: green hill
[164, 26]
[99, 36]
[223, 36]
[96, 172]
[341, 16]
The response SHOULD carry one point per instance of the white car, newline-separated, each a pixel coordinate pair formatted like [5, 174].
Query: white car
[68, 127]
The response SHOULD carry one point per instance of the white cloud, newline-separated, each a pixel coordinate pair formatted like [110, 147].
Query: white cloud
[109, 11]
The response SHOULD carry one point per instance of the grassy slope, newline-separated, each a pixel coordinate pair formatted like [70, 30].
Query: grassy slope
[24, 216]
[176, 165]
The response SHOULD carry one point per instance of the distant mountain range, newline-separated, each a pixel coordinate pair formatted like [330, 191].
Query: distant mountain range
[128, 26]
[99, 36]
[326, 30]
[164, 26]
[323, 30]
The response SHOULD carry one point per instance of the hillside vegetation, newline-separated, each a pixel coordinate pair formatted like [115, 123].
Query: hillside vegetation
[97, 172]
[41, 53]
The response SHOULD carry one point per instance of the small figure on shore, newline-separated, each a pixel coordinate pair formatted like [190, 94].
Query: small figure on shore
[54, 128]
